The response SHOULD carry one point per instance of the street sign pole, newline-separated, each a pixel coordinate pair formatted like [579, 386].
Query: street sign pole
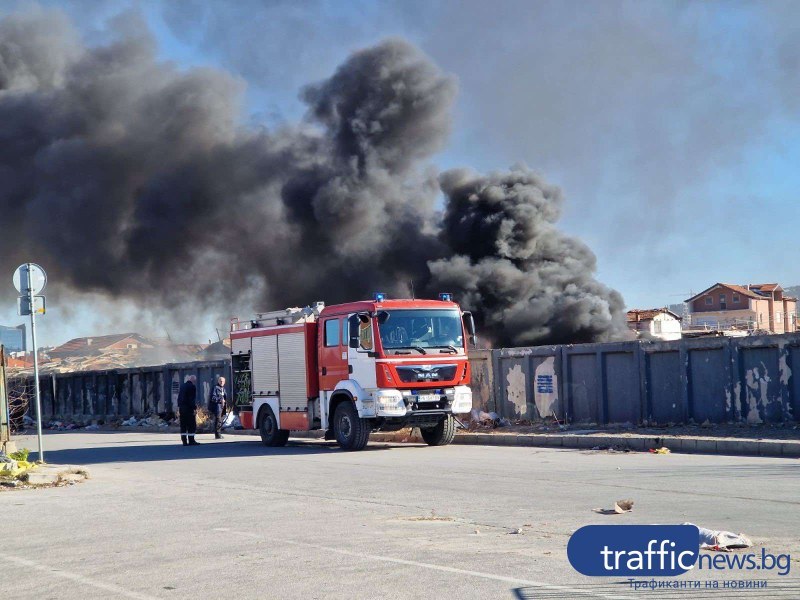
[30, 279]
[35, 368]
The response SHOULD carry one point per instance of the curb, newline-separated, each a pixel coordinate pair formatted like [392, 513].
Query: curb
[50, 474]
[637, 443]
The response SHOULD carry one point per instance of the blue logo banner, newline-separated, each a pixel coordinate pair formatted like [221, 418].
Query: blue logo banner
[634, 550]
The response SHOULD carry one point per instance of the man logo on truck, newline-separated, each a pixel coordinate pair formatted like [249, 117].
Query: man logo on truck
[349, 369]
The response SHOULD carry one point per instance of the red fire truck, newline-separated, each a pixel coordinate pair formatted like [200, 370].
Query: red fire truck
[349, 369]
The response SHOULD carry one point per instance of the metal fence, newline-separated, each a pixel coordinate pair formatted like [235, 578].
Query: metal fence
[142, 391]
[715, 379]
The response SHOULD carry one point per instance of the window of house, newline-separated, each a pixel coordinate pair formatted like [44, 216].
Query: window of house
[722, 299]
[332, 332]
[709, 300]
[656, 326]
[736, 298]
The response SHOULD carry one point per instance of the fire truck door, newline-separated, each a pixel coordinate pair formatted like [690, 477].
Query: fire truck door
[333, 355]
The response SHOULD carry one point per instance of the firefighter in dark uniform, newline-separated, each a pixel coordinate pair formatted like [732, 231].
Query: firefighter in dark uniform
[216, 405]
[187, 395]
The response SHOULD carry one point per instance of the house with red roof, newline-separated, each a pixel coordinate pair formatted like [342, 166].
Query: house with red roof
[753, 306]
[92, 346]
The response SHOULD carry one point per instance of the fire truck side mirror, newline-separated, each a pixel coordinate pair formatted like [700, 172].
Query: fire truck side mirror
[352, 327]
[469, 325]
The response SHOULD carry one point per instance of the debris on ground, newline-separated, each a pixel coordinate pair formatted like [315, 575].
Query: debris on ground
[516, 531]
[612, 449]
[721, 541]
[620, 507]
[14, 466]
[479, 418]
[132, 422]
[153, 421]
[662, 450]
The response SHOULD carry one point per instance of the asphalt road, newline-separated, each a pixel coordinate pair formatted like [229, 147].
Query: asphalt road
[234, 519]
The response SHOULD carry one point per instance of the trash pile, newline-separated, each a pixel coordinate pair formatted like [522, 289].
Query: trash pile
[61, 426]
[481, 419]
[151, 421]
[13, 465]
[721, 541]
[232, 421]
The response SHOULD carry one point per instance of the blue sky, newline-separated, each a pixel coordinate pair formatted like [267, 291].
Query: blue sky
[672, 127]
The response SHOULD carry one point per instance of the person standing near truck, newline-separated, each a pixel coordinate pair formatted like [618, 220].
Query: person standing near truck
[187, 396]
[216, 405]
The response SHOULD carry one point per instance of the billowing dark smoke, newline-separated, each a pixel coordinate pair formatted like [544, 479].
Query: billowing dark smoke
[530, 281]
[129, 177]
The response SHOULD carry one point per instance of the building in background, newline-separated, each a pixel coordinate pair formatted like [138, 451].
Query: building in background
[101, 352]
[751, 307]
[13, 338]
[92, 346]
[655, 323]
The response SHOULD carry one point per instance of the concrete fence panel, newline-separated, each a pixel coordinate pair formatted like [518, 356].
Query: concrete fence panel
[735, 380]
[527, 384]
[716, 379]
[664, 398]
[482, 371]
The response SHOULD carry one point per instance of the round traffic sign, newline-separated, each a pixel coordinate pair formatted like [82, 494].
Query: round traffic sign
[30, 275]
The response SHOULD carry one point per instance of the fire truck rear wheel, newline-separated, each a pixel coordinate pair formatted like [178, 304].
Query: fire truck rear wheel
[351, 431]
[268, 427]
[442, 434]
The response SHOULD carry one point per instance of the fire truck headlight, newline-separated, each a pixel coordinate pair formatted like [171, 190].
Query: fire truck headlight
[462, 399]
[391, 405]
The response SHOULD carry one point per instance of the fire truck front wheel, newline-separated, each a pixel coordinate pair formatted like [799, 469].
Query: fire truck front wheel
[350, 430]
[268, 428]
[442, 434]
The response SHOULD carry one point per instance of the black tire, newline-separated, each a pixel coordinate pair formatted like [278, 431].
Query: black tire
[268, 428]
[350, 430]
[442, 434]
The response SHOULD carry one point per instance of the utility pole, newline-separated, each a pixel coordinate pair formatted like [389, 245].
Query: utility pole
[35, 367]
[30, 279]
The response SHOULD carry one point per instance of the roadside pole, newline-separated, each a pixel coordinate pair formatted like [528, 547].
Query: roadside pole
[35, 369]
[30, 279]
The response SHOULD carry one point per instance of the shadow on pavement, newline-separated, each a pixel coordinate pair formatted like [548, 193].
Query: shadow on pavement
[114, 452]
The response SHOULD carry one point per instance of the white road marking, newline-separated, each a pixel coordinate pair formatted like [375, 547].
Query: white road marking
[77, 578]
[574, 592]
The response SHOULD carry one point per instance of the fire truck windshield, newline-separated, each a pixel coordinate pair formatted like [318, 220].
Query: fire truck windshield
[418, 329]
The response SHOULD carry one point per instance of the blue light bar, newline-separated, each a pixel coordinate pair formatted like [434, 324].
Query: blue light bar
[380, 296]
[444, 297]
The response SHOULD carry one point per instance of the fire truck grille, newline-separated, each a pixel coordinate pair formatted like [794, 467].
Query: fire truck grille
[426, 373]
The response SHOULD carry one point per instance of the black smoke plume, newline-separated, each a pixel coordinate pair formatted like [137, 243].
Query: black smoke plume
[129, 177]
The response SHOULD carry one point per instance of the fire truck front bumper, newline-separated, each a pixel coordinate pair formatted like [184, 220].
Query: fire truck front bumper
[406, 403]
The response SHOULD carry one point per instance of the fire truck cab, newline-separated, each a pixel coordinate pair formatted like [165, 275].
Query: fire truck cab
[349, 369]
